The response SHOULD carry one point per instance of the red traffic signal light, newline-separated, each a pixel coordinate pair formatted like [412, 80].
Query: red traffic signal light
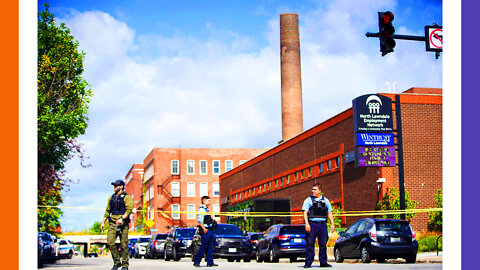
[387, 17]
[386, 31]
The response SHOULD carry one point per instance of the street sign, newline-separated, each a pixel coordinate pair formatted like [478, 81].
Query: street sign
[434, 38]
[376, 156]
[374, 139]
[150, 223]
[372, 113]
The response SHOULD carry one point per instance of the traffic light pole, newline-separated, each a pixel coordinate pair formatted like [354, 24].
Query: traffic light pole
[401, 176]
[404, 37]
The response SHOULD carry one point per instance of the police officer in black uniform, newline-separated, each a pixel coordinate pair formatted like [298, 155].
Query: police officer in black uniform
[316, 210]
[118, 210]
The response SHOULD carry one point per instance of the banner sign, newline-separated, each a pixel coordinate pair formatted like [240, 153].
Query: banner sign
[372, 113]
[374, 139]
[376, 156]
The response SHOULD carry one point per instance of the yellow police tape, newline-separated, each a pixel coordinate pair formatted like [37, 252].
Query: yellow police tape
[272, 214]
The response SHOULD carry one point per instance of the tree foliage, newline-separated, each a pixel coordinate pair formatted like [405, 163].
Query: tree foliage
[391, 201]
[63, 97]
[435, 222]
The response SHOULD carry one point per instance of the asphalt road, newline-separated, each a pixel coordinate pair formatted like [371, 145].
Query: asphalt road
[105, 263]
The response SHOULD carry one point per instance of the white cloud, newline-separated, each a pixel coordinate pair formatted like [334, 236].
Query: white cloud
[155, 90]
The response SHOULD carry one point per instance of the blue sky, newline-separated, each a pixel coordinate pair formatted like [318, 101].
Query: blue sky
[207, 74]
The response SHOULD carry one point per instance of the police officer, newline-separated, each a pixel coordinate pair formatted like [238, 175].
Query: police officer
[207, 225]
[118, 210]
[316, 209]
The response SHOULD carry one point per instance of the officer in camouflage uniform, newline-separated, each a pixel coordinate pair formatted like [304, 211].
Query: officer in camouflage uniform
[119, 208]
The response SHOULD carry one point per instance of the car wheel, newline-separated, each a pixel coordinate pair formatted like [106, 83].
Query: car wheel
[381, 260]
[338, 256]
[258, 258]
[273, 256]
[230, 260]
[70, 254]
[411, 259]
[165, 255]
[293, 259]
[175, 255]
[365, 255]
[247, 260]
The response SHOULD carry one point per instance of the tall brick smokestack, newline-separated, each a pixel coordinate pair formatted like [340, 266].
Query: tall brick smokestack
[292, 114]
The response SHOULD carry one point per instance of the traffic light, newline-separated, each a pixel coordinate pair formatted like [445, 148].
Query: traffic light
[386, 31]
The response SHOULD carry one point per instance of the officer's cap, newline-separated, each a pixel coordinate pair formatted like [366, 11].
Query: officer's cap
[118, 183]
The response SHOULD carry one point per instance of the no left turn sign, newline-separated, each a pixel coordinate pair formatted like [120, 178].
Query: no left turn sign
[434, 38]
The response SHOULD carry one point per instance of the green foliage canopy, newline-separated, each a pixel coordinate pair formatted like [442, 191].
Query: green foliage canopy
[435, 219]
[391, 201]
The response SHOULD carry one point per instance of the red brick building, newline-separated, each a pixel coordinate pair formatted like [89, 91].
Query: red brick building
[174, 179]
[318, 155]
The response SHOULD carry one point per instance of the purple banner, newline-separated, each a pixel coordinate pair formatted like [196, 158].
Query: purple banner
[376, 156]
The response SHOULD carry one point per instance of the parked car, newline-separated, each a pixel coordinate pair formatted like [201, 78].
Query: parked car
[131, 246]
[64, 248]
[253, 237]
[378, 239]
[178, 243]
[141, 246]
[40, 252]
[228, 243]
[282, 241]
[155, 248]
[49, 251]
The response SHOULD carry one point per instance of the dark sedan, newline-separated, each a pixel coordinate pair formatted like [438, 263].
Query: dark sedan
[49, 251]
[282, 241]
[178, 243]
[156, 246]
[228, 243]
[378, 239]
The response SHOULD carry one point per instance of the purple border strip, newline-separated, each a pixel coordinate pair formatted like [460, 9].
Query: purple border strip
[470, 146]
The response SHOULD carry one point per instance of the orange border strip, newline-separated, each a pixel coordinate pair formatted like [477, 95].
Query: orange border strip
[9, 75]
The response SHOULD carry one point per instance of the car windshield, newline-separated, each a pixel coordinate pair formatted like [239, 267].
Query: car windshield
[133, 241]
[398, 226]
[292, 230]
[161, 236]
[255, 236]
[185, 233]
[227, 230]
[63, 242]
[45, 237]
[143, 240]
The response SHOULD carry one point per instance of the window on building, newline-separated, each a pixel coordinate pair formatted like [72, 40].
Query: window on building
[190, 166]
[148, 173]
[175, 208]
[241, 162]
[249, 192]
[337, 162]
[310, 172]
[264, 187]
[320, 168]
[329, 164]
[296, 176]
[216, 166]
[288, 179]
[190, 189]
[151, 188]
[203, 189]
[253, 191]
[174, 167]
[175, 189]
[281, 183]
[152, 214]
[276, 183]
[216, 189]
[240, 195]
[228, 165]
[216, 209]
[191, 209]
[236, 197]
[203, 167]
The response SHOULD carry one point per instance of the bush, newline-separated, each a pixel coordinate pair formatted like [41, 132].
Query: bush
[428, 243]
[435, 222]
[391, 201]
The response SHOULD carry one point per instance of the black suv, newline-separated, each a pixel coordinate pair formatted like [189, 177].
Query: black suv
[49, 251]
[178, 243]
[378, 239]
[228, 243]
[156, 246]
[282, 241]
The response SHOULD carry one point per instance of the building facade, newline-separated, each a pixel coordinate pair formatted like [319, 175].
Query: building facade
[173, 180]
[321, 155]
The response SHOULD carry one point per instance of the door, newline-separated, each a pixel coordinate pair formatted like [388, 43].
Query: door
[346, 246]
[357, 237]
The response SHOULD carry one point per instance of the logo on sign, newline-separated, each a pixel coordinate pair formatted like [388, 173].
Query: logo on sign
[373, 103]
[374, 139]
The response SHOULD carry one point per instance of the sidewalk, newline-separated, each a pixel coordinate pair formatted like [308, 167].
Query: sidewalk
[424, 257]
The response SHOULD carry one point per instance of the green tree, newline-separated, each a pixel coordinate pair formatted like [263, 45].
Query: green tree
[391, 201]
[435, 222]
[63, 97]
[95, 229]
[337, 211]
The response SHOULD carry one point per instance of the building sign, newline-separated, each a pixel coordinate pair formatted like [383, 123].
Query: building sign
[374, 139]
[372, 113]
[376, 156]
